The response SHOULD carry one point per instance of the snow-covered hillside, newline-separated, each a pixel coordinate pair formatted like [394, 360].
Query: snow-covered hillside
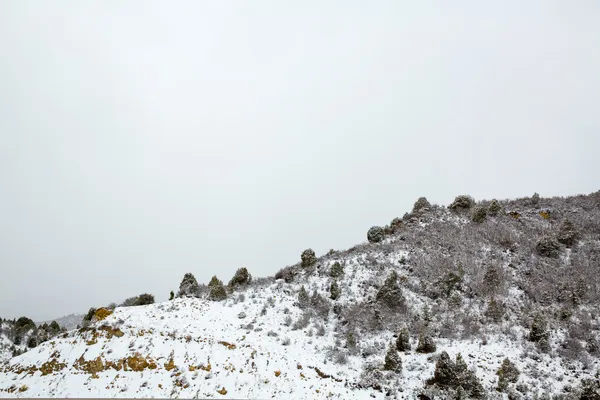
[473, 288]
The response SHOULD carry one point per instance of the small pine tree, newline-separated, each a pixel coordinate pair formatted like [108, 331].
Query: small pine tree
[539, 330]
[507, 373]
[494, 208]
[334, 290]
[393, 362]
[403, 341]
[171, 295]
[479, 214]
[241, 277]
[189, 286]
[426, 344]
[390, 293]
[217, 290]
[303, 298]
[214, 281]
[336, 270]
[308, 258]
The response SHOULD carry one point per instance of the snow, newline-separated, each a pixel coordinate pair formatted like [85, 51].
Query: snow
[212, 348]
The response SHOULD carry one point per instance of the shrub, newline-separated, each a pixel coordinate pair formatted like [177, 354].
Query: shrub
[396, 225]
[493, 279]
[90, 314]
[217, 290]
[535, 199]
[334, 290]
[141, 300]
[462, 202]
[145, 299]
[287, 274]
[392, 362]
[32, 342]
[171, 295]
[189, 286]
[54, 326]
[319, 305]
[375, 234]
[539, 331]
[479, 214]
[548, 246]
[24, 324]
[390, 293]
[303, 298]
[302, 322]
[308, 258]
[494, 311]
[421, 204]
[507, 373]
[494, 208]
[426, 344]
[445, 371]
[214, 281]
[403, 341]
[590, 389]
[456, 376]
[241, 277]
[336, 270]
[351, 340]
[567, 234]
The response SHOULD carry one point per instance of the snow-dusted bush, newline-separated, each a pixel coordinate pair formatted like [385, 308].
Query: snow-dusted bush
[375, 234]
[217, 290]
[507, 373]
[548, 246]
[426, 344]
[334, 290]
[242, 277]
[567, 234]
[319, 305]
[336, 270]
[287, 274]
[303, 298]
[494, 310]
[539, 332]
[392, 361]
[456, 377]
[188, 286]
[420, 204]
[141, 300]
[479, 214]
[403, 340]
[462, 202]
[390, 293]
[494, 208]
[308, 258]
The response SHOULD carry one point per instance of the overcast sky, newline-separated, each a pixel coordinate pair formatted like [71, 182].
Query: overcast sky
[140, 140]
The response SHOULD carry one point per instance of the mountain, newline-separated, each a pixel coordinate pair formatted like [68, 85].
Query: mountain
[488, 299]
[68, 321]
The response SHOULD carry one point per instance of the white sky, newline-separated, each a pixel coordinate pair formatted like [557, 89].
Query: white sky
[140, 140]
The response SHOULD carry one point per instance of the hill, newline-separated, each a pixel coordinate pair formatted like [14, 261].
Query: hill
[489, 299]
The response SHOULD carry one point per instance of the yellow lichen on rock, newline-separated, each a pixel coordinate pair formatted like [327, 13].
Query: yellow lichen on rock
[277, 373]
[170, 365]
[230, 346]
[101, 314]
[222, 391]
[545, 214]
